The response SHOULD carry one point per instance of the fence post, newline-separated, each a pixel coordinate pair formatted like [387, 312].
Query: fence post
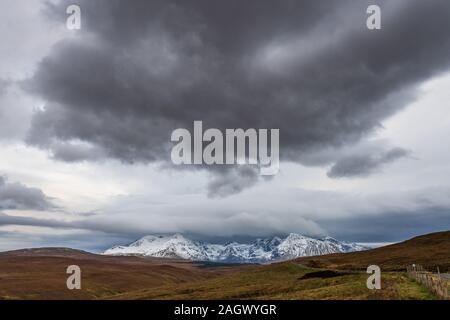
[434, 283]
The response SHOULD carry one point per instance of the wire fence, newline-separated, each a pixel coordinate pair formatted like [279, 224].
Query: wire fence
[435, 282]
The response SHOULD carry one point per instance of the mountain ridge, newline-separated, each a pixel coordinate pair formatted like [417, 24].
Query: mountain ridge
[258, 251]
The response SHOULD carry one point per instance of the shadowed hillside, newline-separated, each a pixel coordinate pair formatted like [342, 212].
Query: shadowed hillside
[429, 250]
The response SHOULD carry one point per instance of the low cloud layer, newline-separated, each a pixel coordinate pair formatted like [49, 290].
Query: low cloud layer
[16, 196]
[314, 213]
[364, 164]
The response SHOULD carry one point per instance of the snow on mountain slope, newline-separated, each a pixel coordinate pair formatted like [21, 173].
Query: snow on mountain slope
[260, 250]
[175, 246]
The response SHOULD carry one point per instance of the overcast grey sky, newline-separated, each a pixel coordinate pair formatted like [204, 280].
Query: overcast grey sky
[86, 118]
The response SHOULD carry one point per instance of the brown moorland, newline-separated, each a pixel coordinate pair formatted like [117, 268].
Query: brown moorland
[335, 276]
[430, 251]
[41, 274]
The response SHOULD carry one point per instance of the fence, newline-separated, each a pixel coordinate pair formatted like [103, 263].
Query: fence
[433, 282]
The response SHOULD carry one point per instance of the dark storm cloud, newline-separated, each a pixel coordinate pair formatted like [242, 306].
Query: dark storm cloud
[135, 72]
[3, 86]
[74, 152]
[232, 181]
[16, 196]
[364, 165]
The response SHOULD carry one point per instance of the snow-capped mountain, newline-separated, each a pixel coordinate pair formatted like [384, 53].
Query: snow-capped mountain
[259, 251]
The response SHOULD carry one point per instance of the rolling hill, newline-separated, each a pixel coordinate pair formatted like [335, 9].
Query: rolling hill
[431, 251]
[41, 273]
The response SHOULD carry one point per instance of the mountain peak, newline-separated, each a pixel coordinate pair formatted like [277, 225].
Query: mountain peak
[296, 236]
[331, 239]
[258, 251]
[177, 236]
